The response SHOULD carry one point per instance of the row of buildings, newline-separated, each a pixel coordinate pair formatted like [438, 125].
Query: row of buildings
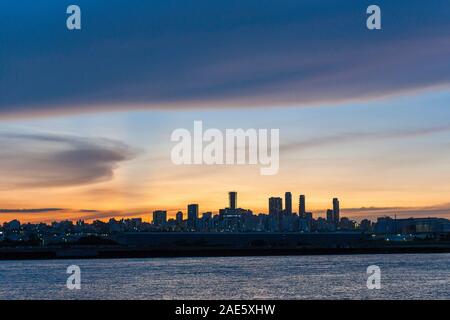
[232, 218]
[280, 219]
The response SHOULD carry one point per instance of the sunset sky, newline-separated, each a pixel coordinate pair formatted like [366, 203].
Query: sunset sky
[86, 116]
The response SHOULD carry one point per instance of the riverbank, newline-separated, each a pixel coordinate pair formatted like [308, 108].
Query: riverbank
[117, 252]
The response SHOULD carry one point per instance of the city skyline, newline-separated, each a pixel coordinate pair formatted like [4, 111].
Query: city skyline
[278, 218]
[276, 205]
[224, 157]
[362, 114]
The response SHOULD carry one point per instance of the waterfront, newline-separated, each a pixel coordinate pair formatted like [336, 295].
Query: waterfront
[403, 276]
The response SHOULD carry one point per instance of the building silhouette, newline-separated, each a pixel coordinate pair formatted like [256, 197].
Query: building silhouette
[302, 206]
[288, 203]
[336, 213]
[233, 199]
[159, 217]
[179, 218]
[275, 206]
[330, 216]
[192, 215]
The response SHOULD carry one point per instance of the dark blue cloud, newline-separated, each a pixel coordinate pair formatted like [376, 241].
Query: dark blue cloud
[35, 160]
[181, 53]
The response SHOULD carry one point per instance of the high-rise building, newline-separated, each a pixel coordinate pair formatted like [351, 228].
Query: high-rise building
[330, 216]
[179, 217]
[336, 212]
[192, 215]
[275, 206]
[233, 199]
[288, 203]
[159, 217]
[302, 206]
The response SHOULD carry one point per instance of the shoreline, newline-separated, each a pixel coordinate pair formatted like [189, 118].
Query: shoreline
[120, 252]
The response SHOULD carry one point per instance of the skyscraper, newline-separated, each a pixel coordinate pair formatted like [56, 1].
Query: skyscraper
[233, 199]
[275, 206]
[336, 213]
[302, 206]
[192, 214]
[288, 203]
[179, 217]
[159, 217]
[330, 216]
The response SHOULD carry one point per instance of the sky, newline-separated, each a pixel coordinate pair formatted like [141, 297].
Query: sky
[86, 116]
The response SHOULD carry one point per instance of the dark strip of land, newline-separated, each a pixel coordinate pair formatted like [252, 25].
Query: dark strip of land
[116, 252]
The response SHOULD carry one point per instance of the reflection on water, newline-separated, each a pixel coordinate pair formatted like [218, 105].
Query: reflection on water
[407, 276]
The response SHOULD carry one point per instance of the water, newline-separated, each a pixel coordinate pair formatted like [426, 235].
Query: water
[407, 276]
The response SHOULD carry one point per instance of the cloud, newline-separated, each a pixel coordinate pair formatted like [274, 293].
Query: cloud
[30, 160]
[224, 53]
[372, 213]
[442, 210]
[36, 210]
[361, 136]
[49, 215]
[111, 214]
